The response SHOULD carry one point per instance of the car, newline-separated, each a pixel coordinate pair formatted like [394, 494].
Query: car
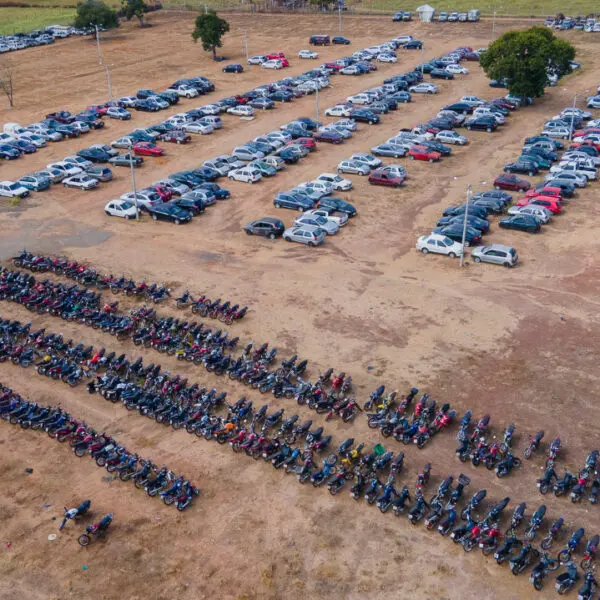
[522, 166]
[121, 208]
[544, 189]
[473, 209]
[261, 103]
[246, 174]
[455, 231]
[497, 254]
[472, 221]
[145, 198]
[81, 181]
[198, 127]
[385, 57]
[308, 54]
[268, 227]
[272, 64]
[12, 189]
[62, 116]
[557, 132]
[593, 102]
[526, 223]
[68, 168]
[441, 74]
[257, 60]
[337, 217]
[460, 107]
[306, 142]
[579, 167]
[496, 194]
[169, 212]
[100, 173]
[511, 182]
[457, 69]
[263, 168]
[32, 138]
[127, 101]
[200, 197]
[336, 182]
[412, 45]
[551, 203]
[146, 106]
[439, 244]
[338, 39]
[175, 137]
[363, 115]
[419, 152]
[389, 149]
[34, 182]
[368, 159]
[115, 112]
[170, 187]
[315, 189]
[192, 206]
[274, 161]
[575, 179]
[424, 88]
[353, 167]
[482, 123]
[147, 149]
[233, 68]
[331, 137]
[305, 234]
[8, 152]
[386, 178]
[126, 160]
[539, 161]
[186, 91]
[447, 136]
[542, 214]
[327, 225]
[339, 110]
[293, 201]
[94, 155]
[337, 204]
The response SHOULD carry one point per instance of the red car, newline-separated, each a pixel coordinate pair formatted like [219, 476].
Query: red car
[331, 137]
[165, 193]
[512, 183]
[99, 108]
[175, 137]
[586, 131]
[275, 55]
[504, 103]
[62, 116]
[242, 99]
[333, 66]
[423, 153]
[147, 149]
[306, 142]
[586, 143]
[553, 192]
[554, 205]
[381, 177]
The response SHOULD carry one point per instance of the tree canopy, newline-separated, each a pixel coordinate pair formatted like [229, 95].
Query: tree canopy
[96, 13]
[210, 29]
[525, 58]
[134, 8]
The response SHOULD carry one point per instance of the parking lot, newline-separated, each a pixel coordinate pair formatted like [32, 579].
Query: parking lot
[506, 342]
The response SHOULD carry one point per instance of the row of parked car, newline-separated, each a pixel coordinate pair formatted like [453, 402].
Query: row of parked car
[589, 25]
[39, 37]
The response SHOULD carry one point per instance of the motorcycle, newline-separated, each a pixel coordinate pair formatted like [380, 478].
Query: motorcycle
[588, 589]
[553, 533]
[565, 581]
[504, 552]
[517, 518]
[476, 499]
[545, 483]
[564, 556]
[590, 553]
[73, 513]
[98, 529]
[535, 523]
[526, 556]
[562, 486]
[545, 566]
[534, 444]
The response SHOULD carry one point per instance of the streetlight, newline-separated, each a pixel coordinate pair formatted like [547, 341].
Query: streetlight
[464, 234]
[97, 43]
[135, 199]
[340, 15]
[246, 43]
[317, 102]
[108, 82]
[572, 118]
[494, 26]
[422, 57]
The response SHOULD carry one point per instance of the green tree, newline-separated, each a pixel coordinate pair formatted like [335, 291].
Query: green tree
[97, 13]
[525, 58]
[210, 29]
[134, 8]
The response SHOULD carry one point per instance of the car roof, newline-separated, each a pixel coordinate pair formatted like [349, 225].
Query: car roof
[500, 247]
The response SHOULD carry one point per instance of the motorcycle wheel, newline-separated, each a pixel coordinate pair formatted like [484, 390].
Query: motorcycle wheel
[152, 492]
[100, 461]
[139, 483]
[543, 488]
[515, 570]
[488, 550]
[538, 584]
[489, 466]
[530, 534]
[181, 506]
[124, 475]
[168, 500]
[386, 431]
[468, 546]
[84, 539]
[80, 451]
[564, 556]
[528, 453]
[586, 563]
[546, 543]
[333, 490]
[462, 458]
[372, 423]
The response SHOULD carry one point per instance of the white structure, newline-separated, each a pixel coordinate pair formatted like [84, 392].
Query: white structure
[426, 13]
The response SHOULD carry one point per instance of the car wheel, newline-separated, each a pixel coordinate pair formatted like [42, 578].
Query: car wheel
[452, 254]
[300, 209]
[154, 218]
[411, 157]
[248, 232]
[424, 251]
[477, 259]
[271, 236]
[177, 222]
[469, 127]
[108, 214]
[287, 239]
[530, 173]
[431, 160]
[507, 265]
[496, 187]
[489, 130]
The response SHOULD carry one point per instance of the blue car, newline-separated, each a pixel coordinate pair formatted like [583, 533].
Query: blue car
[36, 183]
[219, 192]
[293, 201]
[8, 152]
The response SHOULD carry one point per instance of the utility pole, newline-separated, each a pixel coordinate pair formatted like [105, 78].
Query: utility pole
[108, 81]
[317, 102]
[340, 15]
[422, 57]
[135, 199]
[246, 43]
[97, 43]
[572, 118]
[494, 26]
[464, 234]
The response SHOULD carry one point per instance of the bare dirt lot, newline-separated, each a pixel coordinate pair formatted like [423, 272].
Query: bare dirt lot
[519, 344]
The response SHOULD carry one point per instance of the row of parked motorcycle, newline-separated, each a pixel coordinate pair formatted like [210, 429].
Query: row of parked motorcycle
[101, 447]
[86, 275]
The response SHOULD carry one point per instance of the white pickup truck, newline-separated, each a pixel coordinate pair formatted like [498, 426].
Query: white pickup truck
[578, 168]
[339, 218]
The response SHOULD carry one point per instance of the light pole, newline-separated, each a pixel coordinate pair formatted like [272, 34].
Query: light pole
[108, 82]
[464, 234]
[494, 26]
[135, 199]
[572, 118]
[340, 16]
[246, 43]
[317, 102]
[97, 43]
[422, 57]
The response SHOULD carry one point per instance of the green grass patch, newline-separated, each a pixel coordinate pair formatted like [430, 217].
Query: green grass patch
[17, 20]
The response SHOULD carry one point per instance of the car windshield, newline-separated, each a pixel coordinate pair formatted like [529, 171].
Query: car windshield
[14, 186]
[126, 205]
[320, 220]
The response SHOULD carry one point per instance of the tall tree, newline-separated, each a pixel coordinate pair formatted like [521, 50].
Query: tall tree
[210, 29]
[96, 13]
[525, 58]
[134, 8]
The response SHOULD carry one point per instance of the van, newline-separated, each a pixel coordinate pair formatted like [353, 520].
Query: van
[319, 40]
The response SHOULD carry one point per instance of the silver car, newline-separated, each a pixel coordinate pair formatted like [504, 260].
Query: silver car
[329, 227]
[354, 167]
[497, 254]
[306, 234]
[543, 215]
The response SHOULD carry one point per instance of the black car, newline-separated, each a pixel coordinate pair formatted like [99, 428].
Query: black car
[125, 160]
[483, 123]
[455, 232]
[495, 194]
[23, 146]
[219, 192]
[192, 206]
[567, 189]
[492, 205]
[195, 113]
[94, 154]
[441, 74]
[267, 227]
[337, 204]
[309, 124]
[281, 96]
[143, 94]
[478, 211]
[169, 212]
[546, 154]
[441, 123]
[522, 166]
[164, 127]
[437, 147]
[390, 103]
[293, 200]
[425, 67]
[338, 39]
[288, 156]
[413, 45]
[206, 173]
[362, 115]
[233, 68]
[521, 222]
[472, 221]
[460, 107]
[170, 97]
[187, 178]
[145, 106]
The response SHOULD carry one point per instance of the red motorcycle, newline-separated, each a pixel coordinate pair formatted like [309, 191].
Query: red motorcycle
[97, 529]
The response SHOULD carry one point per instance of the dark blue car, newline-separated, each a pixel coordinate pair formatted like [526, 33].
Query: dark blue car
[294, 201]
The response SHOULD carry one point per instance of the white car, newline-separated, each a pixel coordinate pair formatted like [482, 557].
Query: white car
[456, 118]
[349, 124]
[339, 110]
[543, 215]
[483, 111]
[576, 155]
[257, 60]
[368, 159]
[566, 113]
[588, 171]
[265, 140]
[82, 181]
[247, 154]
[281, 136]
[457, 69]
[472, 100]
[593, 102]
[115, 112]
[121, 208]
[5, 138]
[573, 178]
[274, 161]
[386, 58]
[186, 91]
[241, 111]
[79, 161]
[424, 88]
[198, 127]
[557, 132]
[272, 64]
[13, 190]
[339, 184]
[451, 137]
[211, 109]
[439, 244]
[361, 98]
[174, 186]
[402, 39]
[245, 174]
[350, 70]
[68, 168]
[307, 54]
[340, 219]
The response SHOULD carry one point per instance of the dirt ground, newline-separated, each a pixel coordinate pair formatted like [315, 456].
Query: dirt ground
[519, 344]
